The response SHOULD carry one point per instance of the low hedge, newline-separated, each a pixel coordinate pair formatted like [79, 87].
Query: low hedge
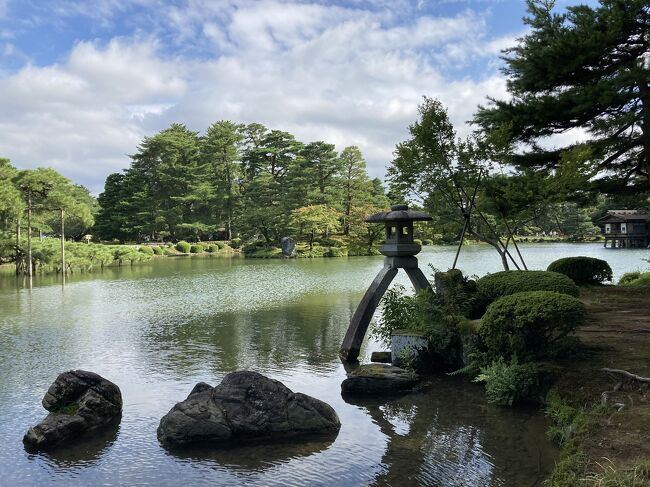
[196, 249]
[212, 248]
[525, 325]
[157, 250]
[183, 246]
[146, 250]
[583, 270]
[505, 283]
[635, 279]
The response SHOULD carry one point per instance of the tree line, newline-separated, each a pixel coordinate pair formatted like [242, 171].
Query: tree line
[235, 181]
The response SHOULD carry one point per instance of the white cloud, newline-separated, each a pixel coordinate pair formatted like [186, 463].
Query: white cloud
[344, 75]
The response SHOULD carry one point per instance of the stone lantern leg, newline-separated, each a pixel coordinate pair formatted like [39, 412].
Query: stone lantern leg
[400, 251]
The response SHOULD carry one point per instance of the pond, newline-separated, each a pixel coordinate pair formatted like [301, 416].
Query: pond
[157, 329]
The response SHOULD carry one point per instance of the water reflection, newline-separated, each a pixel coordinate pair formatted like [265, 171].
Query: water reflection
[476, 445]
[258, 457]
[86, 451]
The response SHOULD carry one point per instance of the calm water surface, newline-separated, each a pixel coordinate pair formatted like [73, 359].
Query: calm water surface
[156, 329]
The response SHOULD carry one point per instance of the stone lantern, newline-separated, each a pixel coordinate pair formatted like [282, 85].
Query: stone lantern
[400, 250]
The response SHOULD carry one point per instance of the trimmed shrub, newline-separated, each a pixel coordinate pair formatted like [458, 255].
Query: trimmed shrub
[427, 241]
[183, 247]
[196, 249]
[417, 241]
[583, 270]
[212, 248]
[146, 250]
[508, 384]
[335, 252]
[505, 283]
[526, 325]
[455, 293]
[635, 279]
[235, 243]
[220, 245]
[157, 250]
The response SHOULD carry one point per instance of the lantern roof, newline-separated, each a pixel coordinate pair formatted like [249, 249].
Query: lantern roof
[399, 213]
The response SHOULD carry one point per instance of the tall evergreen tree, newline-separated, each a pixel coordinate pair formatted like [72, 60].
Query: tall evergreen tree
[589, 69]
[220, 151]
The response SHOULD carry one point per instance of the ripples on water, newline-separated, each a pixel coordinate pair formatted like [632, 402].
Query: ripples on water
[157, 329]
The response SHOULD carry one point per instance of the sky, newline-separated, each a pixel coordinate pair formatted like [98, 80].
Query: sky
[83, 82]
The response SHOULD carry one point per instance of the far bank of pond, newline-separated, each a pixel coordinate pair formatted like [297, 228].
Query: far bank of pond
[158, 328]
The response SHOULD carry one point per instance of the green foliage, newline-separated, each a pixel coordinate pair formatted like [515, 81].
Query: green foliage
[527, 324]
[509, 384]
[220, 245]
[600, 87]
[417, 241]
[196, 248]
[157, 250]
[145, 249]
[236, 243]
[183, 247]
[427, 241]
[335, 252]
[309, 220]
[583, 270]
[505, 283]
[212, 248]
[420, 313]
[455, 292]
[635, 279]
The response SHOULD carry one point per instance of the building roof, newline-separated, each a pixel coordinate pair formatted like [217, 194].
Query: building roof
[399, 213]
[624, 216]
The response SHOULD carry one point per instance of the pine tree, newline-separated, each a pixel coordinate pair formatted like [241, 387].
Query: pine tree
[589, 69]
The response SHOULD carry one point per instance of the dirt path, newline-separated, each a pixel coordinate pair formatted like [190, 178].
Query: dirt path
[616, 336]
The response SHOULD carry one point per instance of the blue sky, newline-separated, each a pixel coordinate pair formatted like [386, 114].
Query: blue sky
[81, 82]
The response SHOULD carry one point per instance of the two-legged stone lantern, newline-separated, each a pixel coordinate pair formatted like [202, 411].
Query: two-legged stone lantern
[400, 251]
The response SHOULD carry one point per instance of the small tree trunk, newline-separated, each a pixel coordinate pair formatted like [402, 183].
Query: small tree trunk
[18, 252]
[62, 245]
[29, 234]
[311, 240]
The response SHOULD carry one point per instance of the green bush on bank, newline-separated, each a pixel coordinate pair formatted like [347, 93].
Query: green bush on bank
[509, 384]
[583, 270]
[196, 249]
[235, 243]
[635, 279]
[146, 250]
[212, 248]
[157, 250]
[526, 325]
[183, 247]
[505, 283]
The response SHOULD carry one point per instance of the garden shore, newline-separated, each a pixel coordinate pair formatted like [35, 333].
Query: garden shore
[602, 418]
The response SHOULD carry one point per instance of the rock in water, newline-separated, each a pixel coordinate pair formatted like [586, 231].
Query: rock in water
[378, 379]
[78, 402]
[246, 405]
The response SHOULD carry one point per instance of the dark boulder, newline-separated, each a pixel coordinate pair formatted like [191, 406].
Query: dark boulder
[79, 402]
[245, 406]
[378, 379]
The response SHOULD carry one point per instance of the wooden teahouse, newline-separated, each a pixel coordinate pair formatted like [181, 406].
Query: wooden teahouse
[625, 229]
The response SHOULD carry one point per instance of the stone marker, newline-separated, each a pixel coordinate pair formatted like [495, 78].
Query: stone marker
[378, 379]
[381, 357]
[245, 406]
[412, 346]
[288, 247]
[78, 402]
